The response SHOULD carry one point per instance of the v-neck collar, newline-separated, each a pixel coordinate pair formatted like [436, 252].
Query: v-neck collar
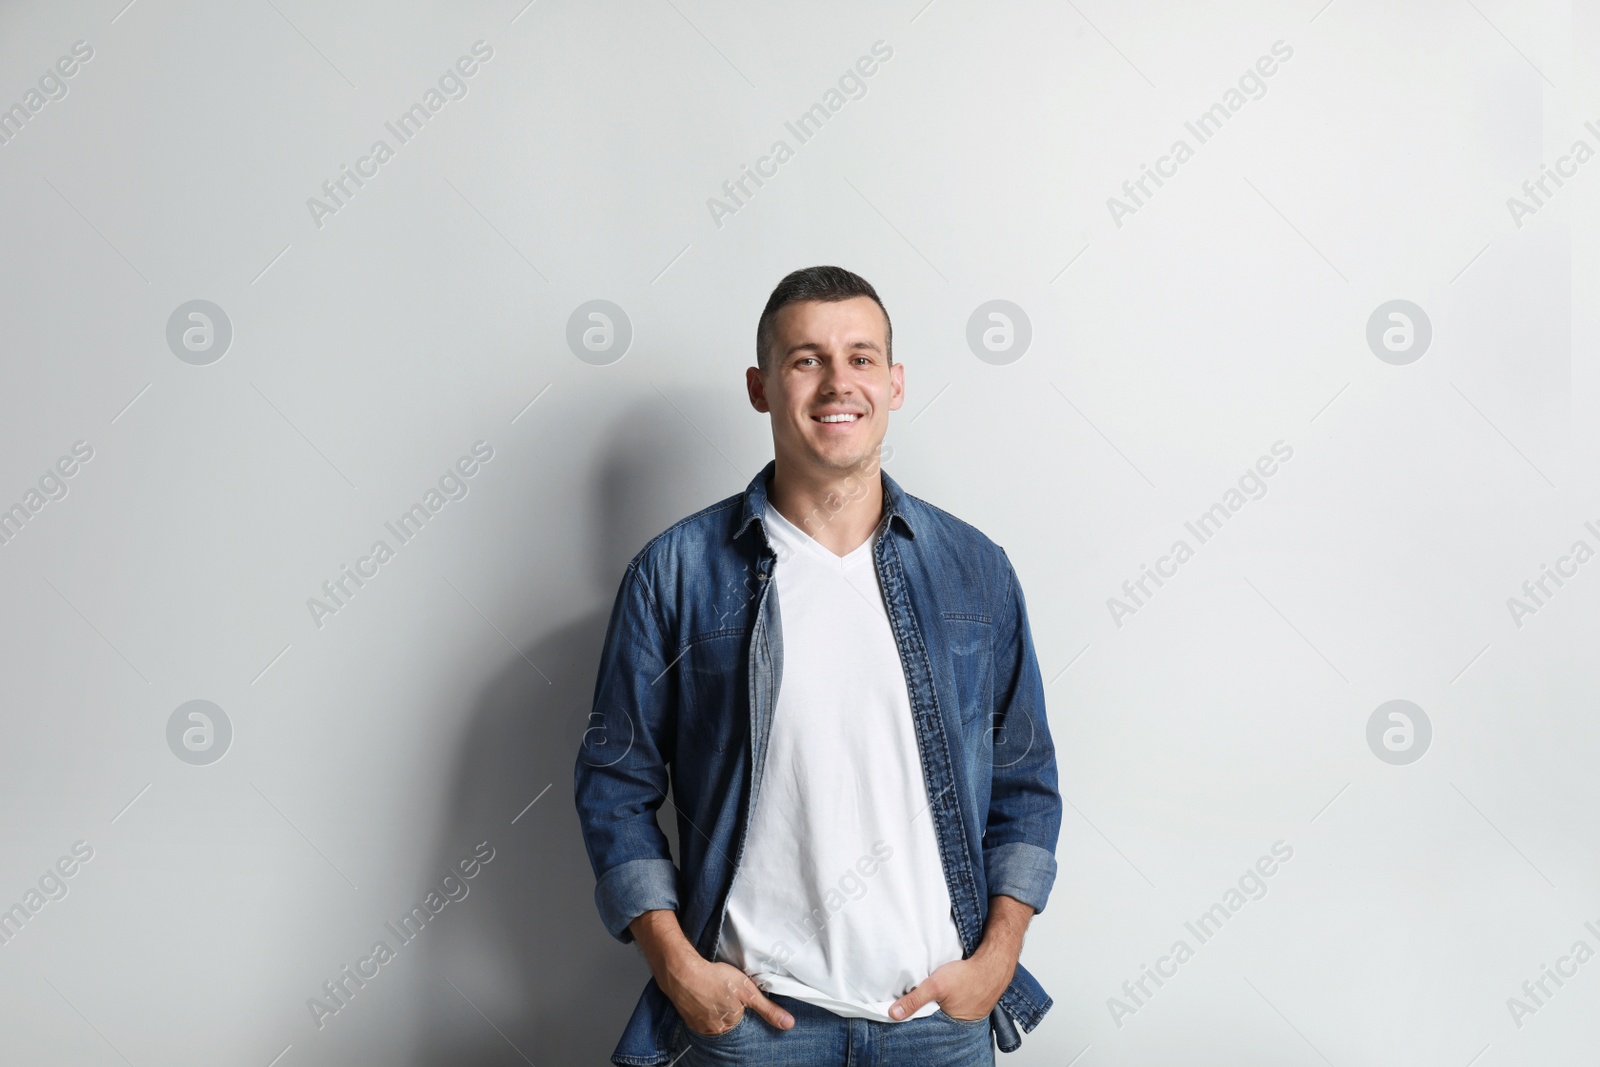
[811, 544]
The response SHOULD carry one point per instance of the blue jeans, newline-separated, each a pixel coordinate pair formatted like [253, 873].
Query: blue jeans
[819, 1038]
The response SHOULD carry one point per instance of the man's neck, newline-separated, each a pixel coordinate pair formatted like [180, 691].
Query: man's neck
[838, 509]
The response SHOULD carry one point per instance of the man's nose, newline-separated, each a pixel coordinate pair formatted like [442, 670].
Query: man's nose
[835, 381]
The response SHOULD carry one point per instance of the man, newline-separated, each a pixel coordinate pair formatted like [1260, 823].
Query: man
[839, 680]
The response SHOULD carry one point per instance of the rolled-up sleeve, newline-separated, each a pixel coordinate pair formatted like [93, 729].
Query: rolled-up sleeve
[1024, 818]
[632, 888]
[620, 778]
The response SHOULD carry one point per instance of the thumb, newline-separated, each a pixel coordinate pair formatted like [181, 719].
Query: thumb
[906, 1005]
[766, 1008]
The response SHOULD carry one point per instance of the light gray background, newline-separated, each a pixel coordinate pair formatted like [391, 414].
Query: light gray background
[1167, 355]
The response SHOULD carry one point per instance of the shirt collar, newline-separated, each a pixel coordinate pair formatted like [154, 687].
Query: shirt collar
[895, 501]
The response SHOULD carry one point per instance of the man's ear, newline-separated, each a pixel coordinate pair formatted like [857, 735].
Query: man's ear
[756, 386]
[897, 385]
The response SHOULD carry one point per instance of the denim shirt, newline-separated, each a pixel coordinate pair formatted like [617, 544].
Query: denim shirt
[688, 681]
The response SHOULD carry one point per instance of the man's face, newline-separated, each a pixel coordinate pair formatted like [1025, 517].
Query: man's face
[828, 358]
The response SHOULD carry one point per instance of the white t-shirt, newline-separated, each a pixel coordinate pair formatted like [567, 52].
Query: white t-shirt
[840, 898]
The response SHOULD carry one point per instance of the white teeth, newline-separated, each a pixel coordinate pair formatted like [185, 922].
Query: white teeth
[840, 418]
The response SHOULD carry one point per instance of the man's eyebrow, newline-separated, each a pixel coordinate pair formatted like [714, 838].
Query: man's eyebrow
[815, 346]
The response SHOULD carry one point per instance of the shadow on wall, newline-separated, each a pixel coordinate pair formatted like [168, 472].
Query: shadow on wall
[526, 946]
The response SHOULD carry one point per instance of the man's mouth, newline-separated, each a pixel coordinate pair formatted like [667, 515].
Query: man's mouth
[844, 418]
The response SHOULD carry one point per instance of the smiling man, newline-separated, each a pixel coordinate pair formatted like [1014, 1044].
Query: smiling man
[839, 683]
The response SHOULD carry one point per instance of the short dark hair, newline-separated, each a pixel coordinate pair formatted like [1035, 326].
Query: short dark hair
[815, 283]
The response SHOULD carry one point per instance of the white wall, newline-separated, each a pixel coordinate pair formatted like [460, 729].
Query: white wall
[1171, 348]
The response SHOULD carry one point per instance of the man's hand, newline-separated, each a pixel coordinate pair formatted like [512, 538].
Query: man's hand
[969, 989]
[711, 997]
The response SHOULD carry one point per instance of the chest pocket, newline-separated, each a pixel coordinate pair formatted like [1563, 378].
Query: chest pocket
[716, 695]
[970, 638]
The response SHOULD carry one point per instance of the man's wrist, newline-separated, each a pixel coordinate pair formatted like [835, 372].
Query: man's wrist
[663, 943]
[1005, 928]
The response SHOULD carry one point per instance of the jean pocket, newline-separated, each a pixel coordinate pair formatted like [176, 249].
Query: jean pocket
[941, 1013]
[695, 1035]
